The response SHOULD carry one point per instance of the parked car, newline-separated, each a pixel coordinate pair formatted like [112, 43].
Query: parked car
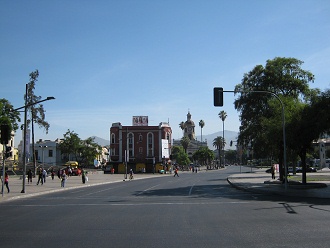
[309, 169]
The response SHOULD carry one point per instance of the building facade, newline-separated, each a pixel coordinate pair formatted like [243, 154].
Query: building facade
[142, 148]
[189, 132]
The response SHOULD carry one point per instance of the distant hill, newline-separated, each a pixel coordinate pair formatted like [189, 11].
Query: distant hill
[229, 135]
[100, 141]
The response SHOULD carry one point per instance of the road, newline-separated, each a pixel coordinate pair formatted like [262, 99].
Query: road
[193, 210]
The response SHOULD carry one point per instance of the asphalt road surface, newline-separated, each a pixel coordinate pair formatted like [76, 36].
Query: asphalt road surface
[193, 210]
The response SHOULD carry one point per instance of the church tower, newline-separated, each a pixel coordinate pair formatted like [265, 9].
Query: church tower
[189, 130]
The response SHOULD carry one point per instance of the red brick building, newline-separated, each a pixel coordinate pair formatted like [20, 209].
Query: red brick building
[147, 147]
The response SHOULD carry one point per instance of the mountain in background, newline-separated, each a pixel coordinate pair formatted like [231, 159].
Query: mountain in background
[229, 135]
[100, 141]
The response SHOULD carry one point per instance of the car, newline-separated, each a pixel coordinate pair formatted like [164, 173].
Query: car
[309, 169]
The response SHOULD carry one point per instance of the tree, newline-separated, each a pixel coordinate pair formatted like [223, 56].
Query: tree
[307, 126]
[179, 155]
[84, 151]
[182, 125]
[218, 143]
[8, 116]
[204, 155]
[223, 116]
[185, 141]
[37, 112]
[231, 156]
[283, 77]
[201, 124]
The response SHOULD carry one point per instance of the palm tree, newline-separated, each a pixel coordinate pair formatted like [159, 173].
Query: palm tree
[182, 126]
[218, 142]
[185, 141]
[201, 124]
[223, 116]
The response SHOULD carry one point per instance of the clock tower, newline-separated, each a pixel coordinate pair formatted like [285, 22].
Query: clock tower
[189, 130]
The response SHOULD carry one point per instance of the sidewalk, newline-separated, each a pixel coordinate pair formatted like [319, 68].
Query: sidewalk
[259, 181]
[94, 178]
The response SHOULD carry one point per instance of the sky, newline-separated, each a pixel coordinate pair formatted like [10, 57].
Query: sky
[106, 61]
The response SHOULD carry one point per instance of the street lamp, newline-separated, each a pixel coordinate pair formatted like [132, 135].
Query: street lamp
[24, 130]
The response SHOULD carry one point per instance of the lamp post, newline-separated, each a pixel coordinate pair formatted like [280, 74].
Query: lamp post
[25, 107]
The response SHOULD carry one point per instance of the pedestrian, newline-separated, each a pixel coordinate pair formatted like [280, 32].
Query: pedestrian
[44, 175]
[52, 173]
[30, 175]
[63, 179]
[83, 176]
[40, 177]
[6, 182]
[131, 174]
[176, 172]
[272, 170]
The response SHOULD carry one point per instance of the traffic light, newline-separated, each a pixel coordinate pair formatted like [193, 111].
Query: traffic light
[9, 153]
[5, 133]
[218, 96]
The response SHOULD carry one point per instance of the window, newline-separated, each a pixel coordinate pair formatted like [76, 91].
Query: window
[113, 138]
[131, 144]
[50, 153]
[140, 138]
[150, 145]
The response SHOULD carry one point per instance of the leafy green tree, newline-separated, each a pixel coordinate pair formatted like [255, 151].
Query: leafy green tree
[179, 155]
[204, 155]
[312, 121]
[231, 156]
[8, 116]
[84, 151]
[283, 77]
[201, 124]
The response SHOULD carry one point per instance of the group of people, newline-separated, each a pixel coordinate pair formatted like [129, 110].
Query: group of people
[42, 174]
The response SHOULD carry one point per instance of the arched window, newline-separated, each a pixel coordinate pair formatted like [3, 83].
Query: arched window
[150, 145]
[131, 144]
[113, 138]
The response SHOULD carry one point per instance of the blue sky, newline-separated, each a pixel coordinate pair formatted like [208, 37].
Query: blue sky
[106, 61]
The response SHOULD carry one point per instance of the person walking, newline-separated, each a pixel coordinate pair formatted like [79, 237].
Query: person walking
[44, 175]
[52, 173]
[40, 177]
[30, 175]
[63, 179]
[6, 182]
[131, 174]
[83, 176]
[176, 172]
[272, 170]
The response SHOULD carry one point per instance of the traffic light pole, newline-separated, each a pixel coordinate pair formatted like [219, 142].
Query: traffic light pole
[3, 169]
